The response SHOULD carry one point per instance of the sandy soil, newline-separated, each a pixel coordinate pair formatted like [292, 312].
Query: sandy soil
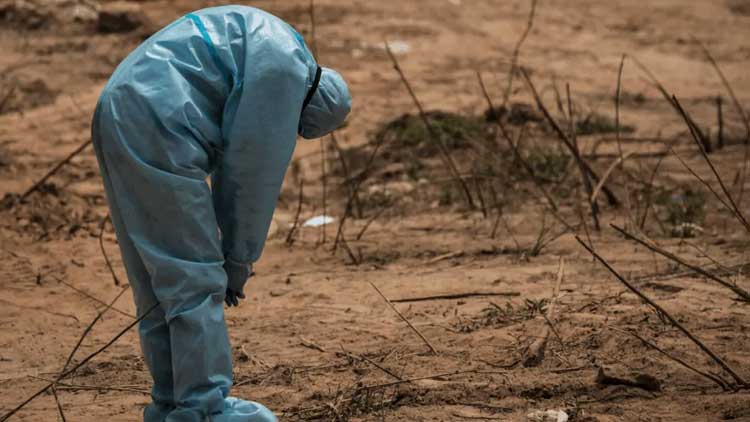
[315, 340]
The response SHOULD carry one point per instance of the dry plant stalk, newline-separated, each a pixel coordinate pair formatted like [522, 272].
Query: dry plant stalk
[649, 195]
[324, 182]
[104, 251]
[347, 172]
[59, 405]
[740, 110]
[618, 94]
[424, 339]
[535, 354]
[313, 34]
[713, 378]
[91, 326]
[734, 208]
[290, 236]
[743, 115]
[585, 168]
[668, 98]
[324, 176]
[92, 297]
[356, 184]
[455, 296]
[584, 176]
[517, 51]
[550, 202]
[743, 294]
[6, 98]
[372, 219]
[738, 379]
[444, 153]
[55, 169]
[720, 122]
[606, 174]
[364, 358]
[78, 366]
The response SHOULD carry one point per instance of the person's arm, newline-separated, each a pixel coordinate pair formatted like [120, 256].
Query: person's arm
[261, 121]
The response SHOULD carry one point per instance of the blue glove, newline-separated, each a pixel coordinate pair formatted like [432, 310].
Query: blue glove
[237, 276]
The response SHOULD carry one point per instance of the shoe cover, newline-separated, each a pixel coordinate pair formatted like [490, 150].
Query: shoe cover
[243, 411]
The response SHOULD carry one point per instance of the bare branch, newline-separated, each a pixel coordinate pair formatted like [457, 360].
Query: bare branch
[743, 294]
[424, 339]
[741, 382]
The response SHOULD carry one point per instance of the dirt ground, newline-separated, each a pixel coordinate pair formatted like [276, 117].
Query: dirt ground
[315, 340]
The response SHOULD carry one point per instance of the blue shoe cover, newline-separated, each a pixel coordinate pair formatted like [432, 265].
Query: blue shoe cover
[243, 411]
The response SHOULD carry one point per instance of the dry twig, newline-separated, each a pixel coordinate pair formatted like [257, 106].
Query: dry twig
[577, 153]
[290, 236]
[589, 172]
[104, 251]
[618, 93]
[668, 98]
[743, 294]
[734, 208]
[6, 98]
[740, 110]
[536, 351]
[356, 184]
[91, 326]
[444, 153]
[55, 169]
[347, 172]
[372, 219]
[390, 304]
[455, 296]
[648, 343]
[59, 405]
[92, 297]
[78, 366]
[517, 51]
[738, 379]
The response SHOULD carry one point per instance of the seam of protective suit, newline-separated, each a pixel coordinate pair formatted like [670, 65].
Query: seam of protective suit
[209, 42]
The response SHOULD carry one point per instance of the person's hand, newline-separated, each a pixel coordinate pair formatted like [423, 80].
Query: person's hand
[232, 298]
[237, 276]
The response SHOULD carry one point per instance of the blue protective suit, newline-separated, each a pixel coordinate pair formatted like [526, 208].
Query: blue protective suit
[217, 93]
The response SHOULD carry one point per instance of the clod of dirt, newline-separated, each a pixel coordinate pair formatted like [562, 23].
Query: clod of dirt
[42, 14]
[739, 412]
[26, 95]
[547, 416]
[409, 131]
[23, 15]
[596, 123]
[51, 213]
[119, 17]
[517, 114]
[739, 7]
[619, 376]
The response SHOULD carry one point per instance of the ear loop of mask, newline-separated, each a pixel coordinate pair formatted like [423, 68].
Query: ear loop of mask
[313, 89]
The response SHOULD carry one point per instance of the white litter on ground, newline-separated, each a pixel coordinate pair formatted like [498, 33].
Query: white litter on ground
[320, 220]
[399, 47]
[547, 416]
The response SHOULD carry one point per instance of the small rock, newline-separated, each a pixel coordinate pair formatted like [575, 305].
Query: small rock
[614, 375]
[547, 416]
[120, 16]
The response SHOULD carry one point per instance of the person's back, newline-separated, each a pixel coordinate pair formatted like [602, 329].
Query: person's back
[222, 92]
[184, 74]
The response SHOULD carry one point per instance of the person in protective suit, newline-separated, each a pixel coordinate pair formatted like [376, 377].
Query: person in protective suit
[221, 92]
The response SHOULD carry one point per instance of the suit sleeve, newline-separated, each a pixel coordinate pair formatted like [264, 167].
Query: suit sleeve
[261, 120]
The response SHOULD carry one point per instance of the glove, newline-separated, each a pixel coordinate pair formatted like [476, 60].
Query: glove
[237, 276]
